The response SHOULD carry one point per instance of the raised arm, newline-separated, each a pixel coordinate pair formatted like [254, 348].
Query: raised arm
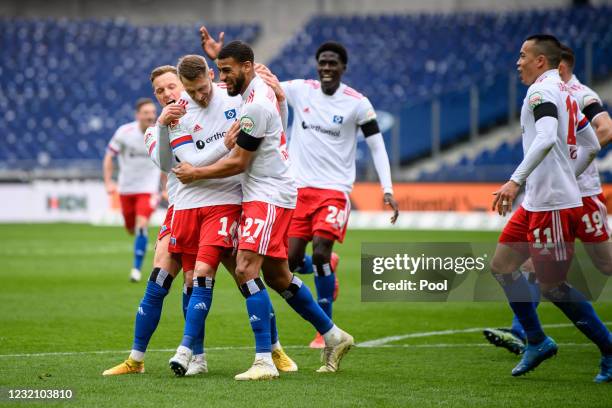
[211, 46]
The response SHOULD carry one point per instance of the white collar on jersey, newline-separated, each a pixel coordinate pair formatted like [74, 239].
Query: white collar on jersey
[546, 74]
[251, 87]
[573, 81]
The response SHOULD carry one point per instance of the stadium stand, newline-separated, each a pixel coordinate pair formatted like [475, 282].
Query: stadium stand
[403, 62]
[66, 85]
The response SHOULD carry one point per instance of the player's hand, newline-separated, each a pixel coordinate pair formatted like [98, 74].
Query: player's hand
[232, 135]
[390, 201]
[504, 197]
[185, 172]
[111, 187]
[170, 113]
[209, 45]
[271, 80]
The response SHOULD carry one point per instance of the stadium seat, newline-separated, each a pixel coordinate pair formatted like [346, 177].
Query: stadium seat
[66, 85]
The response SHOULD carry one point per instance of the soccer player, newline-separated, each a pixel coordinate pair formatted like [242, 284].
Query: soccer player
[207, 212]
[327, 117]
[167, 89]
[593, 229]
[139, 178]
[269, 197]
[559, 145]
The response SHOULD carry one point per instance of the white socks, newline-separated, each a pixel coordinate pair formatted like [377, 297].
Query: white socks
[137, 355]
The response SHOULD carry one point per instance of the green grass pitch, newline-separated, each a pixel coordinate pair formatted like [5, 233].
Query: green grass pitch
[67, 312]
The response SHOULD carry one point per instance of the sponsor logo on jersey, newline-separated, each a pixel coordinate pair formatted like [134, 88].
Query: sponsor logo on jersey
[247, 124]
[306, 110]
[200, 144]
[317, 128]
[338, 119]
[535, 99]
[197, 128]
[230, 114]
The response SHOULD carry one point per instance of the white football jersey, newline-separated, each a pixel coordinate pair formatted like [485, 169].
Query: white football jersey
[552, 184]
[198, 139]
[268, 178]
[152, 143]
[137, 174]
[588, 182]
[324, 133]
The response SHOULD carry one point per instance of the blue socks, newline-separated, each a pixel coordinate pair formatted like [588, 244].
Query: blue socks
[325, 280]
[149, 310]
[519, 296]
[516, 327]
[259, 309]
[140, 247]
[197, 311]
[306, 267]
[273, 329]
[300, 299]
[580, 311]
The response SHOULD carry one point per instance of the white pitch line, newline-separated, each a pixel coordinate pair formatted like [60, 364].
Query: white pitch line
[377, 343]
[384, 346]
[384, 340]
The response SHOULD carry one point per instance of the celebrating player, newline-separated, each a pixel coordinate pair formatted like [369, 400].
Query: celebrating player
[327, 117]
[207, 212]
[593, 229]
[138, 181]
[559, 144]
[167, 89]
[269, 197]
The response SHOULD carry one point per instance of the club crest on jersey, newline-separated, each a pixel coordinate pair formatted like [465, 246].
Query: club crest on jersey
[338, 119]
[535, 99]
[230, 114]
[247, 124]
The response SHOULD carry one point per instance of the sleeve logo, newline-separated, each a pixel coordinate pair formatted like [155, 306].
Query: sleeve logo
[338, 119]
[246, 124]
[535, 99]
[230, 114]
[370, 115]
[589, 99]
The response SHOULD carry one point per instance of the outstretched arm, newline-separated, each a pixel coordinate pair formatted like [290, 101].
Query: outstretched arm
[209, 45]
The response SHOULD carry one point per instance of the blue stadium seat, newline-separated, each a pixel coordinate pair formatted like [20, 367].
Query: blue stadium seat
[401, 62]
[66, 85]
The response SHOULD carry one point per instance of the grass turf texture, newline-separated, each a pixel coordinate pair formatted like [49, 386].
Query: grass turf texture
[65, 289]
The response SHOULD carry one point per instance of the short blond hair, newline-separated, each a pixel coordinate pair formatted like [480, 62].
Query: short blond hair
[159, 71]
